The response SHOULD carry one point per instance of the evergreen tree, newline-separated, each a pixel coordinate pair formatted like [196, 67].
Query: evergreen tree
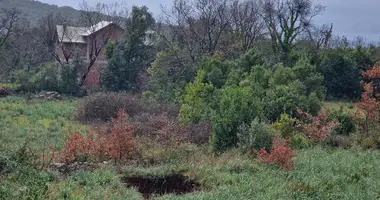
[128, 57]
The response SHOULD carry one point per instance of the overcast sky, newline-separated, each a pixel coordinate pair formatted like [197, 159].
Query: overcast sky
[351, 18]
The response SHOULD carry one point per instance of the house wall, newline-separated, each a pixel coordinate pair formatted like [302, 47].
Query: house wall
[70, 47]
[93, 77]
[98, 40]
[103, 36]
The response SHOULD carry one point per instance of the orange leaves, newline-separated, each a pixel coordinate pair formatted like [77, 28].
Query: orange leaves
[117, 143]
[372, 73]
[79, 147]
[318, 127]
[280, 153]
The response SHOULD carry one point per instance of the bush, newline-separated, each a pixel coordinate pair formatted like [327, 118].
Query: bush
[280, 153]
[195, 104]
[285, 125]
[236, 106]
[299, 141]
[339, 141]
[104, 106]
[346, 125]
[116, 143]
[151, 124]
[317, 128]
[341, 74]
[254, 137]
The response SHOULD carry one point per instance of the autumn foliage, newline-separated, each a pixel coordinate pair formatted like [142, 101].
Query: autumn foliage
[116, 143]
[369, 106]
[317, 128]
[280, 153]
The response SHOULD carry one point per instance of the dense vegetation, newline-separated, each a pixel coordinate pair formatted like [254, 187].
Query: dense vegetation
[235, 95]
[35, 9]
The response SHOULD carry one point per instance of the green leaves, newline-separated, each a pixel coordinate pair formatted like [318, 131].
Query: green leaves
[129, 57]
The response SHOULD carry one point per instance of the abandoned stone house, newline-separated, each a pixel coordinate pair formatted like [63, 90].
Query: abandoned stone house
[90, 43]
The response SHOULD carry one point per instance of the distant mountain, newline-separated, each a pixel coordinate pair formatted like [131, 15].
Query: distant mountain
[35, 9]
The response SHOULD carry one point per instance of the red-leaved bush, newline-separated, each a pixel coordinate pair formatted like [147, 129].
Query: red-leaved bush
[280, 153]
[317, 128]
[79, 147]
[369, 106]
[116, 143]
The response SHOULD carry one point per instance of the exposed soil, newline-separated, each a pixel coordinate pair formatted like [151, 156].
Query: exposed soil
[173, 184]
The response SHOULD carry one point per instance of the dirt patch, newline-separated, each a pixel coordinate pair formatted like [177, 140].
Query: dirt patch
[170, 184]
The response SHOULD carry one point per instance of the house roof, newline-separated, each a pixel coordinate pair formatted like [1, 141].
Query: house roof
[78, 34]
[71, 35]
[96, 27]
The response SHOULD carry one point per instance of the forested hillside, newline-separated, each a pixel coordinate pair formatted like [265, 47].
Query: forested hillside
[35, 9]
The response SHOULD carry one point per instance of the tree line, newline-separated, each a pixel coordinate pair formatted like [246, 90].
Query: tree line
[229, 62]
[187, 33]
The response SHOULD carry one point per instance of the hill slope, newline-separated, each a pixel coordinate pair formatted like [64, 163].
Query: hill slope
[35, 9]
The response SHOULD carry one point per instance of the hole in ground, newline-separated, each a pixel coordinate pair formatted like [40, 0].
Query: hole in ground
[170, 184]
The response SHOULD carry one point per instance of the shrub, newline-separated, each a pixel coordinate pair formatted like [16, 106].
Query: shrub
[115, 143]
[151, 124]
[197, 133]
[339, 141]
[195, 104]
[118, 143]
[280, 153]
[370, 108]
[62, 78]
[346, 124]
[285, 125]
[254, 137]
[80, 147]
[341, 74]
[104, 106]
[236, 106]
[300, 141]
[317, 128]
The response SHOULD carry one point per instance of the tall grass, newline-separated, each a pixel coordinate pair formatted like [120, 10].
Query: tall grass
[318, 173]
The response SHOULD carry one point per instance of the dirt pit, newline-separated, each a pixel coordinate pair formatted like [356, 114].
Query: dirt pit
[171, 184]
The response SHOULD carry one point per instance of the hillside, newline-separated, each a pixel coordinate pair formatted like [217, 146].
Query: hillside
[35, 9]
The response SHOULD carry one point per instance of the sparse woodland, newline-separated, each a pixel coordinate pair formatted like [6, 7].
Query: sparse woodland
[228, 100]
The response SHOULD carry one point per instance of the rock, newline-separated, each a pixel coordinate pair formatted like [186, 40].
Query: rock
[59, 165]
[48, 95]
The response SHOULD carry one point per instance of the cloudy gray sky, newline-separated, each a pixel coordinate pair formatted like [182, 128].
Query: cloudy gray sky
[351, 18]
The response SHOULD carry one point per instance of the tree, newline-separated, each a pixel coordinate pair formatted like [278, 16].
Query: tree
[320, 36]
[286, 20]
[92, 17]
[341, 74]
[168, 76]
[45, 34]
[9, 19]
[247, 24]
[129, 57]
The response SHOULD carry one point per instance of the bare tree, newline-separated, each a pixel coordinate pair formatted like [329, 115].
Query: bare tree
[9, 18]
[48, 36]
[286, 20]
[321, 36]
[247, 23]
[197, 26]
[11, 24]
[93, 18]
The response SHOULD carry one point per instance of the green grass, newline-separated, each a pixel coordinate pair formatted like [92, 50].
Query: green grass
[9, 85]
[38, 123]
[336, 105]
[318, 173]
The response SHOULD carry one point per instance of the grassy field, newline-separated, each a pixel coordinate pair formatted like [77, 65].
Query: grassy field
[32, 126]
